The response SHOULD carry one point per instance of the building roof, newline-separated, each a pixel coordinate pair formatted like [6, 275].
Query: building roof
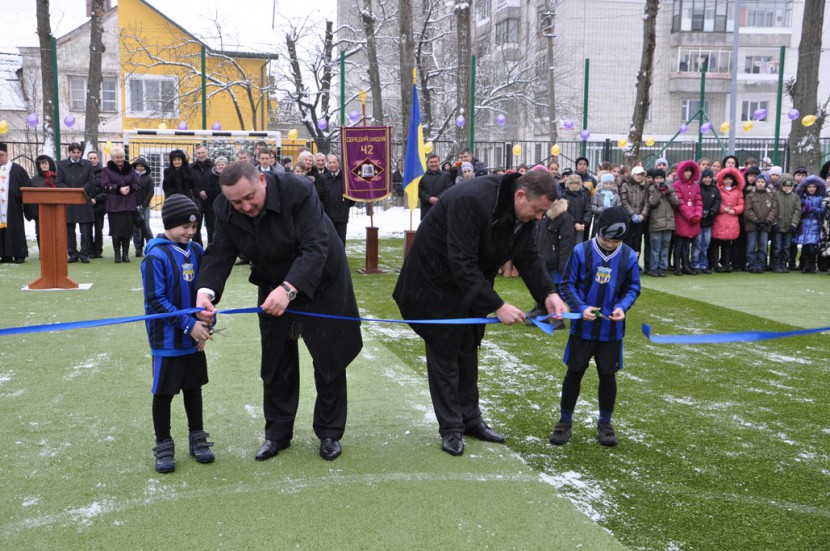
[222, 29]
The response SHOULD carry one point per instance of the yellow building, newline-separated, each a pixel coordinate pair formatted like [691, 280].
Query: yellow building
[162, 68]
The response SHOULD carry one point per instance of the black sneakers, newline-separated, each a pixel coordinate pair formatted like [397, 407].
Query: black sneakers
[561, 433]
[606, 434]
[200, 447]
[164, 452]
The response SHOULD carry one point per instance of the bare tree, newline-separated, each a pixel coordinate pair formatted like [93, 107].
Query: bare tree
[548, 21]
[47, 75]
[436, 68]
[226, 75]
[804, 141]
[407, 53]
[644, 78]
[313, 104]
[93, 94]
[368, 18]
[464, 74]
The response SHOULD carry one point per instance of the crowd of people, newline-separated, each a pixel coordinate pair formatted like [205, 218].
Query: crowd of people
[121, 193]
[688, 218]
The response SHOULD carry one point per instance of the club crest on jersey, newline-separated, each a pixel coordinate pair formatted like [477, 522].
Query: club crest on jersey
[603, 275]
[187, 272]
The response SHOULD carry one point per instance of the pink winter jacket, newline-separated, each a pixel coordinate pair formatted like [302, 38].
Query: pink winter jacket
[727, 227]
[691, 203]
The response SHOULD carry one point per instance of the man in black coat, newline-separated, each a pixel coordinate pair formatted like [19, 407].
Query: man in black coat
[449, 273]
[297, 260]
[329, 186]
[99, 205]
[75, 172]
[433, 183]
[13, 246]
[201, 169]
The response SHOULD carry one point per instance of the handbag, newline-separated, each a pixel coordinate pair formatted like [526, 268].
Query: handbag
[138, 218]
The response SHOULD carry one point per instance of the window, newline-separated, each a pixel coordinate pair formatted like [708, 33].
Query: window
[77, 94]
[748, 109]
[542, 65]
[702, 15]
[690, 108]
[761, 65]
[152, 95]
[767, 14]
[507, 31]
[483, 9]
[692, 60]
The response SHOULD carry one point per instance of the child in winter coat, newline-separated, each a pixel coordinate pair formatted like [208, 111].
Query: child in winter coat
[789, 215]
[634, 199]
[662, 200]
[688, 215]
[555, 239]
[710, 197]
[579, 205]
[605, 197]
[760, 214]
[812, 191]
[727, 226]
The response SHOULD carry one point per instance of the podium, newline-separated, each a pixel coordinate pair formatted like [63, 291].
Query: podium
[52, 215]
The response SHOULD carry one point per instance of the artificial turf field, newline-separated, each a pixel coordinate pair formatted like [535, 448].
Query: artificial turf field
[721, 446]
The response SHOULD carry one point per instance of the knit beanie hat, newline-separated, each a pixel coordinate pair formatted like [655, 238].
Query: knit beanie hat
[607, 179]
[613, 223]
[752, 170]
[776, 170]
[466, 166]
[802, 170]
[707, 173]
[178, 210]
[661, 160]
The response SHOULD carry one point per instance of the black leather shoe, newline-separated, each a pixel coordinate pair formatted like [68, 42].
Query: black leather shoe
[330, 449]
[270, 448]
[84, 260]
[453, 444]
[483, 432]
[72, 260]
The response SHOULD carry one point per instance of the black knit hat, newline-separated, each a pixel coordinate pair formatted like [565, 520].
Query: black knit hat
[178, 210]
[752, 170]
[613, 223]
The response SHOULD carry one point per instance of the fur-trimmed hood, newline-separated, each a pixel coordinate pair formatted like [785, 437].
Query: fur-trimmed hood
[557, 208]
[736, 175]
[683, 167]
[802, 187]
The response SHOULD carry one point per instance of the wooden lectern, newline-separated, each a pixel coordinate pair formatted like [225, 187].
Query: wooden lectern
[52, 215]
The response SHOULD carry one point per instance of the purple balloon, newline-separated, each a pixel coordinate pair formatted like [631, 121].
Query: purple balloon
[501, 119]
[793, 114]
[684, 128]
[706, 127]
[354, 116]
[69, 121]
[585, 135]
[460, 120]
[32, 120]
[568, 124]
[759, 114]
[216, 126]
[183, 125]
[322, 124]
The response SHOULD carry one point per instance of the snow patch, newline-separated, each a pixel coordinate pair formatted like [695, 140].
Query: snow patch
[583, 492]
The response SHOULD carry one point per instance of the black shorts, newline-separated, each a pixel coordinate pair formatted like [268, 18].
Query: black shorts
[174, 373]
[606, 354]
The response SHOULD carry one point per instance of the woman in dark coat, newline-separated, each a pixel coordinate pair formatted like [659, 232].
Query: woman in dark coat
[121, 185]
[178, 178]
[45, 177]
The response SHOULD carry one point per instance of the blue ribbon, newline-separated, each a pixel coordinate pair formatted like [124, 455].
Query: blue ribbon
[718, 338]
[45, 328]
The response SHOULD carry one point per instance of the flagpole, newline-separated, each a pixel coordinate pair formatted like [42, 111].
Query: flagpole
[371, 230]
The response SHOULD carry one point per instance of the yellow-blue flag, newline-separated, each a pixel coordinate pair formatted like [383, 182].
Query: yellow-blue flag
[414, 164]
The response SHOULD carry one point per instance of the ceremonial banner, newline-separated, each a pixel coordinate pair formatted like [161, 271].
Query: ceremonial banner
[366, 153]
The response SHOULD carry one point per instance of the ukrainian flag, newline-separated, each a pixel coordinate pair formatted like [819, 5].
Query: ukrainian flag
[414, 164]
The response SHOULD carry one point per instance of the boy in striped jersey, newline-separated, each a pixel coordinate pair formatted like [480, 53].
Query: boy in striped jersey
[177, 343]
[602, 281]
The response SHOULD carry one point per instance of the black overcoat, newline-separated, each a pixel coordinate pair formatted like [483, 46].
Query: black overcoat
[432, 184]
[78, 175]
[329, 188]
[291, 240]
[13, 238]
[450, 269]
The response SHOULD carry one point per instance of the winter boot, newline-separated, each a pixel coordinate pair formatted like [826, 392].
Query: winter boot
[164, 452]
[678, 268]
[561, 433]
[200, 447]
[125, 247]
[116, 246]
[606, 434]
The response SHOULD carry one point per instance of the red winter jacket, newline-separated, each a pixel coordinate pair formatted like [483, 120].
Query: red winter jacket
[727, 227]
[691, 203]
